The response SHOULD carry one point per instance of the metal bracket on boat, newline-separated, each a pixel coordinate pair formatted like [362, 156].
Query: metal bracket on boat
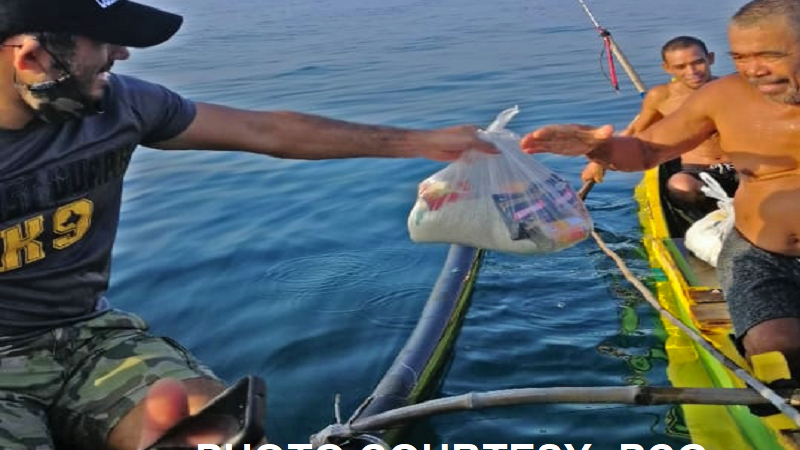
[340, 433]
[330, 434]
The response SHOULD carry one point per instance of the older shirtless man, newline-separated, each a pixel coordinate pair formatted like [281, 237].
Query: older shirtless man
[688, 61]
[756, 114]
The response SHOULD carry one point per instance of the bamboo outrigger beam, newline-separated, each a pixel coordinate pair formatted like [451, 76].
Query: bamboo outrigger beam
[631, 395]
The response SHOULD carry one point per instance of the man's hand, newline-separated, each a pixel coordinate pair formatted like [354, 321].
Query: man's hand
[447, 144]
[593, 172]
[165, 405]
[567, 140]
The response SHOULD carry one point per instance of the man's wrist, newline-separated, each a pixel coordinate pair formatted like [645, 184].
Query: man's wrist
[599, 156]
[596, 155]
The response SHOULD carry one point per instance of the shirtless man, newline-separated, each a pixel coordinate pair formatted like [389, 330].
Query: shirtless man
[688, 61]
[756, 113]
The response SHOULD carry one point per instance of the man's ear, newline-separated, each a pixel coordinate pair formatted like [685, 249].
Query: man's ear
[31, 57]
[710, 57]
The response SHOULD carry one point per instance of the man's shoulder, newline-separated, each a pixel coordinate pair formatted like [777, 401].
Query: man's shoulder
[663, 87]
[722, 90]
[658, 94]
[730, 81]
[718, 86]
[724, 84]
[122, 87]
[130, 90]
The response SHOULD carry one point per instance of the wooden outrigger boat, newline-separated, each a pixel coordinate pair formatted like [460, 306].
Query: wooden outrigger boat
[688, 288]
[419, 368]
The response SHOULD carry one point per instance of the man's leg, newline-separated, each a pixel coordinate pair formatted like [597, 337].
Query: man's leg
[165, 406]
[127, 433]
[23, 424]
[763, 294]
[113, 362]
[30, 379]
[782, 335]
[684, 192]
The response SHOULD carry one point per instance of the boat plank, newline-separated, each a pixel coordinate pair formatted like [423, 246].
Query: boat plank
[706, 295]
[712, 314]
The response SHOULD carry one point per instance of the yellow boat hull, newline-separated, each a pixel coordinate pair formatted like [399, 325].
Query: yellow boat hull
[684, 293]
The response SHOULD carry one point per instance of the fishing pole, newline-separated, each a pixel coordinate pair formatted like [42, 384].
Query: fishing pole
[605, 35]
[612, 48]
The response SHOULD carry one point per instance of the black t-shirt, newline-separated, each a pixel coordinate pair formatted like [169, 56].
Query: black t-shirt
[60, 192]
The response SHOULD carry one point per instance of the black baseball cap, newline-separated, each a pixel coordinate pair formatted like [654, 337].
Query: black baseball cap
[119, 22]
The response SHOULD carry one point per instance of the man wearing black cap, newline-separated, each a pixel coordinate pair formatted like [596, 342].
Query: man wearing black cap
[73, 371]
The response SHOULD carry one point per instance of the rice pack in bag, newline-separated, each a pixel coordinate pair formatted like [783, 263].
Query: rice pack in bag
[506, 202]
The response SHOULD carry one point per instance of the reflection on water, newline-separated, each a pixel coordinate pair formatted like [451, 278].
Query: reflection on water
[640, 346]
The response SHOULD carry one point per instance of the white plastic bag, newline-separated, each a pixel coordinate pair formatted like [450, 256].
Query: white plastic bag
[507, 202]
[705, 237]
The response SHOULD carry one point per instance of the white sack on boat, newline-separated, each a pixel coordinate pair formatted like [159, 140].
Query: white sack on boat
[507, 202]
[705, 237]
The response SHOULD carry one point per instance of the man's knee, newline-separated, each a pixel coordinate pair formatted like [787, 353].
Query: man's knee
[780, 335]
[684, 182]
[685, 187]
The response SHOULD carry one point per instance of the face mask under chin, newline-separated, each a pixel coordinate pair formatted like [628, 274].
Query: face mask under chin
[59, 101]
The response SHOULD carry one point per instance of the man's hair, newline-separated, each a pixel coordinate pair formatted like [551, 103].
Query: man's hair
[682, 42]
[62, 44]
[757, 11]
[58, 44]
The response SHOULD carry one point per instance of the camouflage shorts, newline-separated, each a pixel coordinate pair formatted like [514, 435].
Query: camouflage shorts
[69, 387]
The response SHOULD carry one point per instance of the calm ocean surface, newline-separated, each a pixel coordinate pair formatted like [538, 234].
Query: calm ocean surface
[303, 272]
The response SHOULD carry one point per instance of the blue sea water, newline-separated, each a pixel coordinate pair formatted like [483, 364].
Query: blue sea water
[303, 272]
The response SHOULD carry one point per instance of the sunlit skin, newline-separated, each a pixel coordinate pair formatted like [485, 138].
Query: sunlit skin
[758, 123]
[691, 69]
[757, 116]
[769, 61]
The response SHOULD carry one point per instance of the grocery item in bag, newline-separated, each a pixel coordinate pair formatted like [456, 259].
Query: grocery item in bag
[705, 237]
[507, 202]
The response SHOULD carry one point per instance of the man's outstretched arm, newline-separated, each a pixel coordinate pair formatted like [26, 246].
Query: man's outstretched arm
[667, 139]
[293, 135]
